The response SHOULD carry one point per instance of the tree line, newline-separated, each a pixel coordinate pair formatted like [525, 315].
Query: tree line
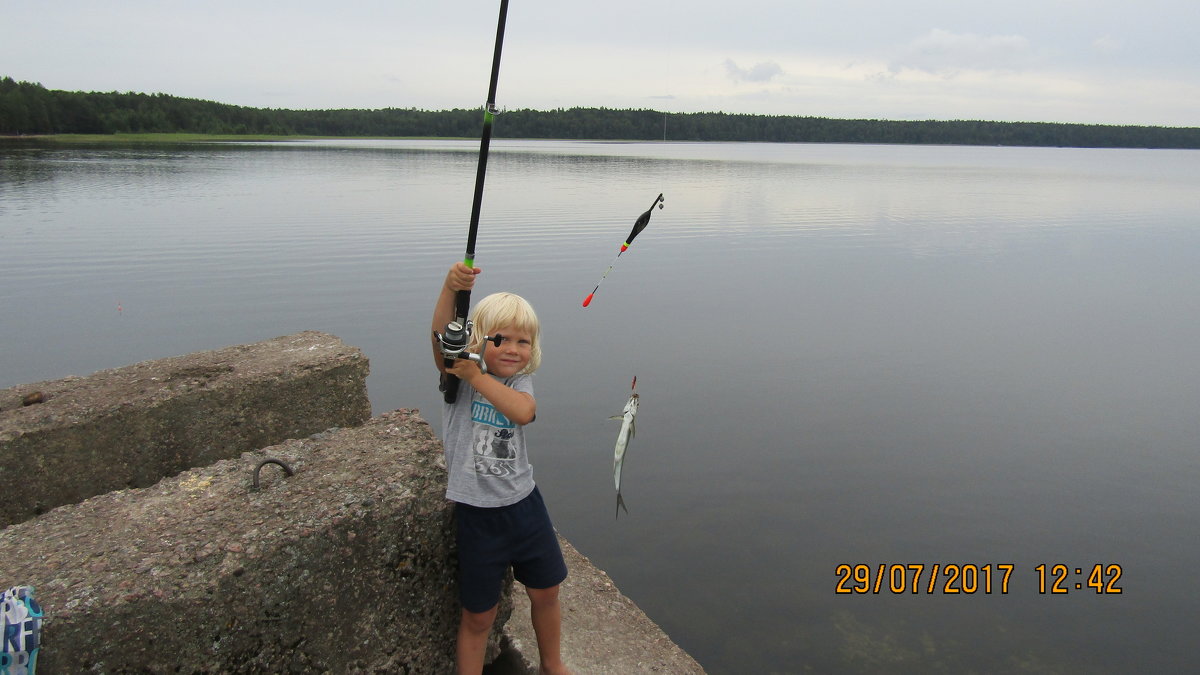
[30, 108]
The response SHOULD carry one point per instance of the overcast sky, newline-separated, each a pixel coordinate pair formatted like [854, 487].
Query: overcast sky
[1094, 61]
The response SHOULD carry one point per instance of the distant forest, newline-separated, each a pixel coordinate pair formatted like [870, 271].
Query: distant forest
[30, 108]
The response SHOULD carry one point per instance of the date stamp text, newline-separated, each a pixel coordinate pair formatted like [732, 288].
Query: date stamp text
[972, 578]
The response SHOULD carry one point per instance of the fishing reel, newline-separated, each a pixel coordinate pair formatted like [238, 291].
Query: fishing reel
[454, 342]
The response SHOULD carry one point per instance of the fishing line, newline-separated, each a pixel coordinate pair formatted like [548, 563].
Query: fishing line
[638, 226]
[462, 299]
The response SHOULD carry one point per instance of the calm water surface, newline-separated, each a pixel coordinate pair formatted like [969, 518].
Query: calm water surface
[855, 355]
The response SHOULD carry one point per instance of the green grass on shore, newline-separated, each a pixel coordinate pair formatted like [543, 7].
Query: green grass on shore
[97, 139]
[102, 139]
[166, 138]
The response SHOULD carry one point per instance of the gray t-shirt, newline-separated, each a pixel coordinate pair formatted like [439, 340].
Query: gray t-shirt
[485, 451]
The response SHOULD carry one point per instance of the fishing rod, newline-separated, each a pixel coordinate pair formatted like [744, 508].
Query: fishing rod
[458, 332]
[638, 226]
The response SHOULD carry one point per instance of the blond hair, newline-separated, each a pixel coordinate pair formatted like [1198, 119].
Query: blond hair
[501, 310]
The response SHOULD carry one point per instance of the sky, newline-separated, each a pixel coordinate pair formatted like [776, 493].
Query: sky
[1089, 61]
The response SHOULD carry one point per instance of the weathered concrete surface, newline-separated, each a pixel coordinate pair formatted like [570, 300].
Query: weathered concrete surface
[347, 566]
[131, 426]
[602, 630]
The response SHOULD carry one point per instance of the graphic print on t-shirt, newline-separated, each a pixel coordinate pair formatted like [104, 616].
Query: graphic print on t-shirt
[491, 447]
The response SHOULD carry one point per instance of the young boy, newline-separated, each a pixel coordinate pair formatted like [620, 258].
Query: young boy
[501, 517]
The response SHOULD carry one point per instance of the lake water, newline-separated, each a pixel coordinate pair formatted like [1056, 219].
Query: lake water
[846, 355]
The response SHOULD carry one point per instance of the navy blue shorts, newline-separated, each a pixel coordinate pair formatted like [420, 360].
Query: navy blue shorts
[489, 540]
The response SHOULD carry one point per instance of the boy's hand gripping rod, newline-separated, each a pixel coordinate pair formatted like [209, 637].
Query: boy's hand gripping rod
[456, 337]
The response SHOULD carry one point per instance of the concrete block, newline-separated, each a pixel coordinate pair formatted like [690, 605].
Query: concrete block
[132, 426]
[346, 566]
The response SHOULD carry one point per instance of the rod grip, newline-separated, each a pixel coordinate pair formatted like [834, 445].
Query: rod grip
[449, 383]
[449, 387]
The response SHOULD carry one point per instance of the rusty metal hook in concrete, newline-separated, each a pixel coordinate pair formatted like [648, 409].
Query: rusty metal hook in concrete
[287, 470]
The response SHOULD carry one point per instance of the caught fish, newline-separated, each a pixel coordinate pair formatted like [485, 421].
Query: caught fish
[623, 437]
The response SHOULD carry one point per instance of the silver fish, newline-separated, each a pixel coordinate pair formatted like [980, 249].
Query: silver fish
[623, 437]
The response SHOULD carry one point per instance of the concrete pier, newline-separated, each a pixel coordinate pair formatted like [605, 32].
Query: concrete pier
[135, 425]
[162, 556]
[603, 631]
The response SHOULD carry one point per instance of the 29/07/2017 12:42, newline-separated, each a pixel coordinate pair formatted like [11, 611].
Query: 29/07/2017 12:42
[969, 578]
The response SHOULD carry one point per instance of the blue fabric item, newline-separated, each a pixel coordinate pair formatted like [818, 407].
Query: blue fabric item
[489, 540]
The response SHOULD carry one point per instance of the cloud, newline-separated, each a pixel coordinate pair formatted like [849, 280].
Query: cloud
[1107, 44]
[759, 72]
[944, 53]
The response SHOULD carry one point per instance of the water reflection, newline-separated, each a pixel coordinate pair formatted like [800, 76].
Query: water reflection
[846, 354]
